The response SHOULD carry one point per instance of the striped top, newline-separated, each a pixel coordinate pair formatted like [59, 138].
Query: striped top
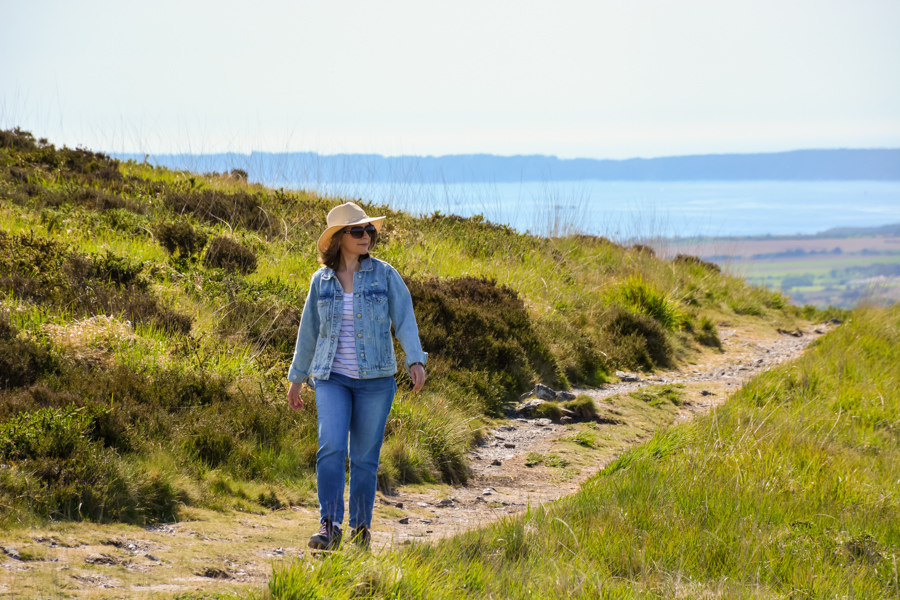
[345, 356]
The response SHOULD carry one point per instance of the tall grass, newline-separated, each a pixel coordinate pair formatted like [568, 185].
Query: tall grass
[789, 490]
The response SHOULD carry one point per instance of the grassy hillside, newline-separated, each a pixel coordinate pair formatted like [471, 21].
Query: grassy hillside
[147, 320]
[790, 490]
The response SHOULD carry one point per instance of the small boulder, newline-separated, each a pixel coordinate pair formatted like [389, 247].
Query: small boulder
[542, 392]
[527, 408]
[565, 396]
[627, 377]
[11, 552]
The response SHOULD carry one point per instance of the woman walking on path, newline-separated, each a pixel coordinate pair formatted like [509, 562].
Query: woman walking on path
[344, 350]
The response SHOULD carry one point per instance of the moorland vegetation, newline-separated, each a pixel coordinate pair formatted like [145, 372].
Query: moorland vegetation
[148, 316]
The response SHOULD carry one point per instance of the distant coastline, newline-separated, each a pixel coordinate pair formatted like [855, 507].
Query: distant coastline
[892, 230]
[309, 167]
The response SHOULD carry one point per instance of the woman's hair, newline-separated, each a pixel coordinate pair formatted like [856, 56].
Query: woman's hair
[331, 258]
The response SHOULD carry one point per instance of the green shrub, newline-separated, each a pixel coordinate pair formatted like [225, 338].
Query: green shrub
[264, 322]
[576, 350]
[211, 444]
[533, 459]
[555, 460]
[180, 237]
[17, 139]
[46, 271]
[225, 253]
[69, 474]
[687, 259]
[436, 444]
[22, 362]
[634, 341]
[475, 324]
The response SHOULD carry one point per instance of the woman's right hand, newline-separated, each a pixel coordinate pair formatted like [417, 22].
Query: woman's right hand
[294, 399]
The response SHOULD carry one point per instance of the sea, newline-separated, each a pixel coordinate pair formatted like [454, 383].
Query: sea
[633, 210]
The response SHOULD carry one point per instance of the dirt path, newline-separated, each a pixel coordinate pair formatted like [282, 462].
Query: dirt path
[503, 483]
[521, 462]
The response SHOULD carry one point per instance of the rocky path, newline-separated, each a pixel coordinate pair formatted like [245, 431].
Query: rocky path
[521, 463]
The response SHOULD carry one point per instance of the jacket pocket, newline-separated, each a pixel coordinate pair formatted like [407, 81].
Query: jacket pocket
[324, 308]
[377, 305]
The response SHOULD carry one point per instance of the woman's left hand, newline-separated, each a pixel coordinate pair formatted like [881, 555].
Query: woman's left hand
[417, 373]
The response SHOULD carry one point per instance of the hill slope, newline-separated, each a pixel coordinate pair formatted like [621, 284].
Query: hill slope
[149, 316]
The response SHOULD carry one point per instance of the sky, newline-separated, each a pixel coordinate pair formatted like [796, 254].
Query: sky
[585, 78]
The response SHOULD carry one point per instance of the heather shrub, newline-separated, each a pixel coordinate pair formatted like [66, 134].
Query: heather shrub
[634, 341]
[43, 270]
[69, 474]
[688, 259]
[22, 362]
[17, 139]
[180, 237]
[225, 253]
[475, 324]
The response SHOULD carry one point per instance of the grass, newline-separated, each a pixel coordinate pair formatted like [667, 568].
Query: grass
[789, 490]
[657, 395]
[152, 315]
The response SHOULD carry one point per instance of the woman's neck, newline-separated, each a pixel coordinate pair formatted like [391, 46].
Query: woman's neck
[349, 264]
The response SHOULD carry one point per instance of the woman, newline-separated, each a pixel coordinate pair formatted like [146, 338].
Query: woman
[344, 347]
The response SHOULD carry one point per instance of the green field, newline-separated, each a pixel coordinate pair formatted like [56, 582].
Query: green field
[843, 280]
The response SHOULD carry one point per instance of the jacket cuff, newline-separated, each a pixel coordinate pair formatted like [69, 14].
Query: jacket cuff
[411, 360]
[297, 376]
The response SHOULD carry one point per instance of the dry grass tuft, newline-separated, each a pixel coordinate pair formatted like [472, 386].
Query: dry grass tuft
[91, 340]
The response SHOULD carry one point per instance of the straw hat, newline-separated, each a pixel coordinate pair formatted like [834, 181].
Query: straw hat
[345, 215]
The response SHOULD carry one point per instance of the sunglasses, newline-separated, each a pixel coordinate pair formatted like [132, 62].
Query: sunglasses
[357, 232]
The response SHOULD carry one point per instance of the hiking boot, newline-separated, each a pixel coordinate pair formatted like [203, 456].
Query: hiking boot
[362, 537]
[328, 538]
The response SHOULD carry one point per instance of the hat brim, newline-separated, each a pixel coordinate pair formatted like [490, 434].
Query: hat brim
[325, 238]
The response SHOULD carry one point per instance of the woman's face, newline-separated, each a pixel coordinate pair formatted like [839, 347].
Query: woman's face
[351, 246]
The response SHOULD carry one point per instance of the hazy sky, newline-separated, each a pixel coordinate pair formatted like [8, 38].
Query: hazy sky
[591, 78]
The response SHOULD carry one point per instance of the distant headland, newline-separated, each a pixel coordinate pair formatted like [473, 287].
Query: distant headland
[797, 165]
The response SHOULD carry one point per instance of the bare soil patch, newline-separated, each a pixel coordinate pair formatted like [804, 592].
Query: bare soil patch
[521, 463]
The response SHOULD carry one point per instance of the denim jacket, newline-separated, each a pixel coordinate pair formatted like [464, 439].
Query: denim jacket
[380, 298]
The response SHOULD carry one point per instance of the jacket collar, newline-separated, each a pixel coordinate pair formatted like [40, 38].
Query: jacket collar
[364, 265]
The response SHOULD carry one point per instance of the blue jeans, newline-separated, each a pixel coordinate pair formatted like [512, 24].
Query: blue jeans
[357, 408]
